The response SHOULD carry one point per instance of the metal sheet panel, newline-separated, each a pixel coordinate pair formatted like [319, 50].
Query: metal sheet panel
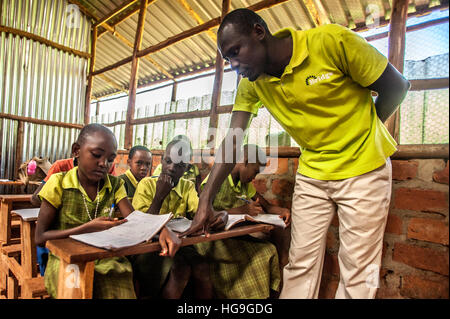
[39, 81]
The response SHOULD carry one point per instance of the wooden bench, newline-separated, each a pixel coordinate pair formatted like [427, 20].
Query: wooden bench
[20, 259]
[34, 288]
[77, 259]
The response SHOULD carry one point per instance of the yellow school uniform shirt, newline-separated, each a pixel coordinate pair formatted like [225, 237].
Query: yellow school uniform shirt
[322, 102]
[181, 201]
[53, 190]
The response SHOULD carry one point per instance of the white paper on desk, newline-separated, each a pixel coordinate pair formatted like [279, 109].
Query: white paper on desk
[140, 227]
[179, 225]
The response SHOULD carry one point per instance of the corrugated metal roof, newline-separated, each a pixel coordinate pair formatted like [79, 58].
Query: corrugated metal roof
[167, 18]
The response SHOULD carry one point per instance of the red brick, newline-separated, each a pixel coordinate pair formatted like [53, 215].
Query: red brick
[120, 170]
[441, 176]
[421, 257]
[427, 229]
[403, 170]
[282, 187]
[260, 185]
[421, 199]
[283, 166]
[394, 224]
[421, 288]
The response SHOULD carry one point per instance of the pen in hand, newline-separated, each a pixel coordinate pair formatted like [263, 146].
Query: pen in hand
[111, 211]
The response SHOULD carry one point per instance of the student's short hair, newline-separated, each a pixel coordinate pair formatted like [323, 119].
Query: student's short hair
[136, 148]
[182, 137]
[180, 150]
[90, 129]
[244, 19]
[254, 154]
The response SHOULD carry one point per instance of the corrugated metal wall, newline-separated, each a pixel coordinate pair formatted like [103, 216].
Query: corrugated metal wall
[39, 81]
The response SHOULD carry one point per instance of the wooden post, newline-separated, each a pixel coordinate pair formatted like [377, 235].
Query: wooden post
[19, 148]
[396, 52]
[87, 105]
[29, 255]
[174, 91]
[217, 87]
[134, 74]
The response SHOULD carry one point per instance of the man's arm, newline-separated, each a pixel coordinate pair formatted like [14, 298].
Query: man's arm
[391, 87]
[223, 165]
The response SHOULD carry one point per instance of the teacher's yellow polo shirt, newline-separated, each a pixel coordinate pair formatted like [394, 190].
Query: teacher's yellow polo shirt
[322, 102]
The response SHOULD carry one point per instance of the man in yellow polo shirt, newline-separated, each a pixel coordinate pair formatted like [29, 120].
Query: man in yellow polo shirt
[317, 84]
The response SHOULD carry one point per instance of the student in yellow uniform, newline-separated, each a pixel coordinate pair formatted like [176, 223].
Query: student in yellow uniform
[140, 162]
[79, 201]
[235, 261]
[169, 193]
[192, 172]
[318, 85]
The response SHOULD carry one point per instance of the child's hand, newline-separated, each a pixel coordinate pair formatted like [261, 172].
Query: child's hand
[284, 213]
[170, 243]
[253, 208]
[220, 219]
[101, 223]
[164, 185]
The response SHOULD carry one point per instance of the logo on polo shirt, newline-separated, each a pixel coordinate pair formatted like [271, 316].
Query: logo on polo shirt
[312, 79]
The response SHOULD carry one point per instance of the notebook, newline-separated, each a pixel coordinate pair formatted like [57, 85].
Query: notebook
[140, 227]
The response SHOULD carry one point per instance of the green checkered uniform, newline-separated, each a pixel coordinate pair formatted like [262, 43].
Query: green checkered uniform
[113, 277]
[242, 267]
[151, 270]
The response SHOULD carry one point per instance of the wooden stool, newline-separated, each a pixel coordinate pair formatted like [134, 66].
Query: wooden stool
[34, 288]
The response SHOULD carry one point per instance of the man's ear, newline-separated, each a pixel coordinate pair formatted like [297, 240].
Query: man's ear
[129, 162]
[259, 31]
[76, 150]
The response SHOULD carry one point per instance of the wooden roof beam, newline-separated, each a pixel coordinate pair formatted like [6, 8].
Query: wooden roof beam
[185, 35]
[317, 12]
[197, 18]
[123, 18]
[115, 12]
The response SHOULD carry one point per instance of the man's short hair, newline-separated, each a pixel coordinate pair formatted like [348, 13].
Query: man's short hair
[244, 19]
[136, 148]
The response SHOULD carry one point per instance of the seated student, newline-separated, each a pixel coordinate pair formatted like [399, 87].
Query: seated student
[140, 162]
[192, 173]
[237, 260]
[62, 165]
[168, 277]
[78, 201]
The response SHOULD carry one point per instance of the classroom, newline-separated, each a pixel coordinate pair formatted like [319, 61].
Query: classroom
[221, 114]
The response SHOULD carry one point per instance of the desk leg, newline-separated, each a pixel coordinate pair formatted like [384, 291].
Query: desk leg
[5, 221]
[13, 286]
[75, 281]
[29, 254]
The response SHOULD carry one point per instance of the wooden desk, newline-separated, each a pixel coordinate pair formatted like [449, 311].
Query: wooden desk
[76, 269]
[8, 203]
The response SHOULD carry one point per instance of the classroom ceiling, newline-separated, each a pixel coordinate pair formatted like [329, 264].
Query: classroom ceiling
[167, 18]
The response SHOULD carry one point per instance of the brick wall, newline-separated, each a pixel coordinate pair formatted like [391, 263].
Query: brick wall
[415, 251]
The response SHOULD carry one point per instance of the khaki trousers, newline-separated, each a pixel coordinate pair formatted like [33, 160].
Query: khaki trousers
[362, 205]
